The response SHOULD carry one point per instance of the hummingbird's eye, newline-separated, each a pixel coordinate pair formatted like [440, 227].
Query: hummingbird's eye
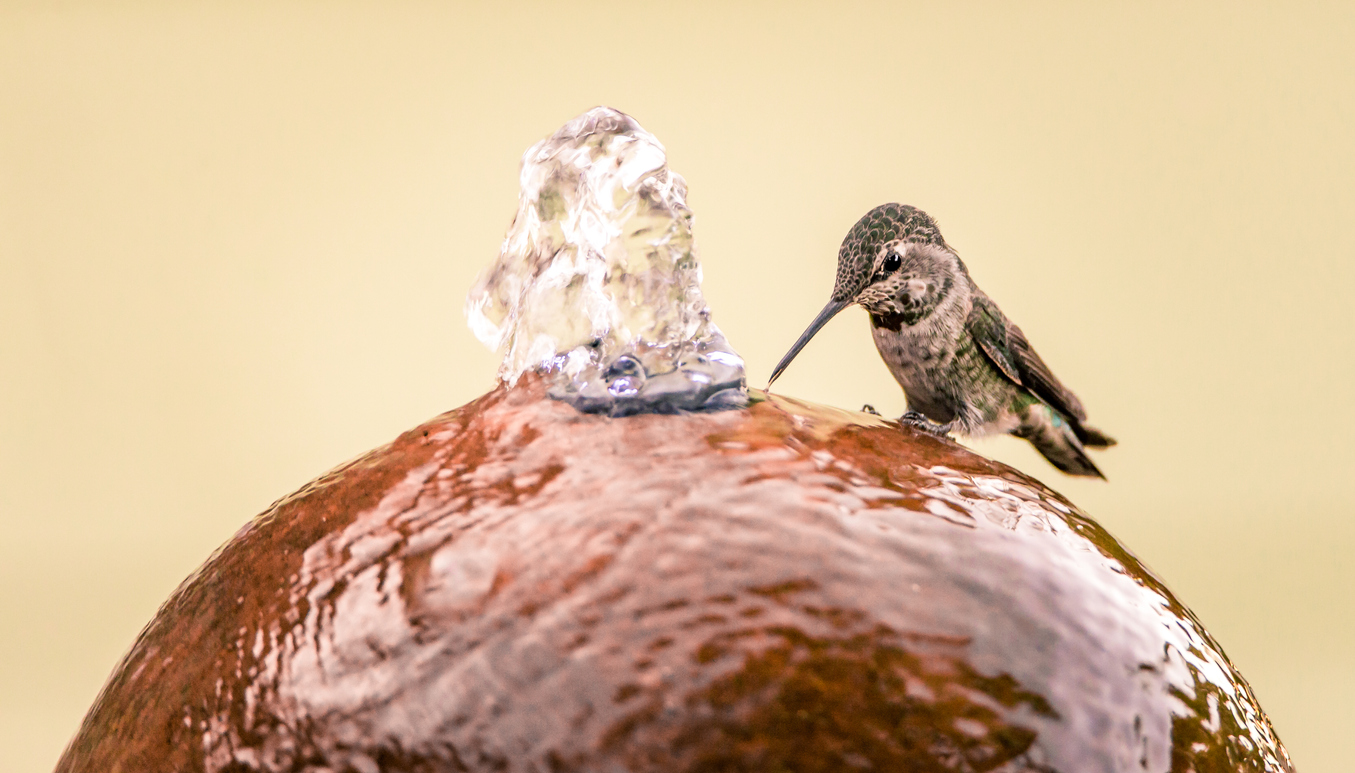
[892, 262]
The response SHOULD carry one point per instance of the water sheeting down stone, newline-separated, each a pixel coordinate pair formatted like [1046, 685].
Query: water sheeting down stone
[516, 586]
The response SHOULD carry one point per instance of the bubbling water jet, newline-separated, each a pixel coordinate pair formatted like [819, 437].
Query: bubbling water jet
[597, 285]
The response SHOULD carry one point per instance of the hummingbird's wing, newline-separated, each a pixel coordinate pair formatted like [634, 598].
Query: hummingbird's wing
[1004, 343]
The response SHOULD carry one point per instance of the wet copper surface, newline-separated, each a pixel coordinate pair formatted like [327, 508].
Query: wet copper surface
[518, 586]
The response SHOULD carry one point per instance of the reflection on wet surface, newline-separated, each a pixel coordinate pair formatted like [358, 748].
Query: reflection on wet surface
[862, 697]
[519, 586]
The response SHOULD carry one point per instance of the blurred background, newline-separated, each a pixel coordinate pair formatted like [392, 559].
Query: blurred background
[235, 240]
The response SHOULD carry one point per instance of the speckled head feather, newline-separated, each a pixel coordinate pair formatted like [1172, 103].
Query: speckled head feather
[886, 224]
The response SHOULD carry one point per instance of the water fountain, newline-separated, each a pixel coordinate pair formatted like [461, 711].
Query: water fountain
[623, 559]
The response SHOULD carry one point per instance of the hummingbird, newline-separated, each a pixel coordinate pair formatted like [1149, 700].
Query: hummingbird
[964, 367]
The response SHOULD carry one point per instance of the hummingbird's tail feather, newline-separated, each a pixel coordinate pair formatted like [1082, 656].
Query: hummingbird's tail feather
[1093, 437]
[1058, 440]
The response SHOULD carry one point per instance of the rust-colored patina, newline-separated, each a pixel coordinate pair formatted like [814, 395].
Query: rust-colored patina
[517, 586]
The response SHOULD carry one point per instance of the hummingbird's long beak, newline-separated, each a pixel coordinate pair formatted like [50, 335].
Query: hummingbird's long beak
[828, 313]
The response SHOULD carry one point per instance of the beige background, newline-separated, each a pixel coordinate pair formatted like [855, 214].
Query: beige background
[235, 240]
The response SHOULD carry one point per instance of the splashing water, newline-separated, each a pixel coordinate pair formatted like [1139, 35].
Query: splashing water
[597, 285]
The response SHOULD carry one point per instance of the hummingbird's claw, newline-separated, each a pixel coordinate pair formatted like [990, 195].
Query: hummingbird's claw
[868, 408]
[919, 421]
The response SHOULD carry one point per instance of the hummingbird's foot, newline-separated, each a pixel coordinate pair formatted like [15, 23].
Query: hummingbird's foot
[868, 408]
[919, 421]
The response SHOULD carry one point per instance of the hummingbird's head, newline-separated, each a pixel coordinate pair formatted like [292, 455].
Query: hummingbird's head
[893, 263]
